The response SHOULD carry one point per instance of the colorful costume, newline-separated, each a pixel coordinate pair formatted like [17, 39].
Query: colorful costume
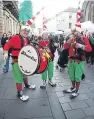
[48, 73]
[77, 47]
[16, 43]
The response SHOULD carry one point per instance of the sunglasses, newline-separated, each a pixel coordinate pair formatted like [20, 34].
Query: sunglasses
[26, 30]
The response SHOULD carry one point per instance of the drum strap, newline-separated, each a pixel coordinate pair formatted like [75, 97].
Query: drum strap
[22, 41]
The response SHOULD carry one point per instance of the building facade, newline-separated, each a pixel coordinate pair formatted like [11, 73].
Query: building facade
[66, 19]
[9, 17]
[51, 24]
[63, 21]
[87, 11]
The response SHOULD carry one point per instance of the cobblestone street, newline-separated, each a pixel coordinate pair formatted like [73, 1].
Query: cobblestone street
[50, 103]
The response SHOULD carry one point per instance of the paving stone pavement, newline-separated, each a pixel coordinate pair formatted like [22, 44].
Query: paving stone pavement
[51, 103]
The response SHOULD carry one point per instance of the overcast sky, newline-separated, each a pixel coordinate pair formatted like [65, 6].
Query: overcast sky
[52, 7]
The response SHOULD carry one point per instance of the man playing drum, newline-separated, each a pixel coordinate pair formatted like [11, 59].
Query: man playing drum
[16, 43]
[51, 48]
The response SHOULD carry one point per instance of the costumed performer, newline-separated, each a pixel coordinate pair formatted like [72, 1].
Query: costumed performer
[77, 45]
[16, 43]
[51, 48]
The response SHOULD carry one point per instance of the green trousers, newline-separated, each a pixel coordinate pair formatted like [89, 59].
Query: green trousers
[49, 71]
[18, 76]
[76, 70]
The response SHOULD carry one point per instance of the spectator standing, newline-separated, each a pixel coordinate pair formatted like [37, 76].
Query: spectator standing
[61, 40]
[6, 66]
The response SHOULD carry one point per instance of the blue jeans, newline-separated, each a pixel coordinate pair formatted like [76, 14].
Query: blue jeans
[6, 67]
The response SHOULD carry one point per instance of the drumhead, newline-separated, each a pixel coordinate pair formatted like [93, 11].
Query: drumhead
[28, 60]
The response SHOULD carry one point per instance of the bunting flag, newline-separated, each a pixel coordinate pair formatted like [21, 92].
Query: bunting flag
[44, 25]
[31, 21]
[78, 24]
[26, 11]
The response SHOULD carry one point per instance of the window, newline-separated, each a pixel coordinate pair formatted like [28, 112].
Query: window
[70, 25]
[70, 16]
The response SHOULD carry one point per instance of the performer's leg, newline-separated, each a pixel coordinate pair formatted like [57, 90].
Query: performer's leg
[71, 71]
[19, 80]
[25, 79]
[50, 73]
[79, 69]
[6, 66]
[44, 78]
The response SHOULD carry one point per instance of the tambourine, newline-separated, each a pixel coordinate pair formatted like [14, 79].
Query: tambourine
[33, 59]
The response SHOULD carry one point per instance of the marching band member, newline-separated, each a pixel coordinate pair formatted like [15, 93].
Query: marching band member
[51, 48]
[77, 45]
[16, 43]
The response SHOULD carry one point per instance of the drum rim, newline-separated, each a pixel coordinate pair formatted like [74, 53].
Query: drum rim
[38, 61]
[39, 66]
[43, 70]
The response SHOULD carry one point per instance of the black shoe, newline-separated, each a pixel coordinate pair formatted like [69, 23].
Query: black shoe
[44, 85]
[30, 87]
[51, 83]
[22, 97]
[56, 67]
[74, 95]
[71, 90]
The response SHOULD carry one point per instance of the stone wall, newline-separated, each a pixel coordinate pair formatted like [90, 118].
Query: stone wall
[88, 11]
[1, 18]
[7, 21]
[10, 22]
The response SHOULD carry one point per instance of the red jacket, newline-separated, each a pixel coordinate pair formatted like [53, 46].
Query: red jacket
[15, 44]
[71, 48]
[46, 44]
[43, 43]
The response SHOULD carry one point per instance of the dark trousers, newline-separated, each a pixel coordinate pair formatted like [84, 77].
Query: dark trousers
[92, 56]
[61, 44]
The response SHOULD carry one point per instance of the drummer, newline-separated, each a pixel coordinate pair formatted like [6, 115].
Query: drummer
[16, 43]
[50, 70]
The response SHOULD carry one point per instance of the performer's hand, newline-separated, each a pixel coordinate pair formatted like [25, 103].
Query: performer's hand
[73, 44]
[78, 45]
[5, 56]
[6, 41]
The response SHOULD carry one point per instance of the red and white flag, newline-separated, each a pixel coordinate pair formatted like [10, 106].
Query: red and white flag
[78, 24]
[44, 25]
[31, 21]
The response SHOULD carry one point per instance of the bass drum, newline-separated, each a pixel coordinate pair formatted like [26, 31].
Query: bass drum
[43, 61]
[29, 60]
